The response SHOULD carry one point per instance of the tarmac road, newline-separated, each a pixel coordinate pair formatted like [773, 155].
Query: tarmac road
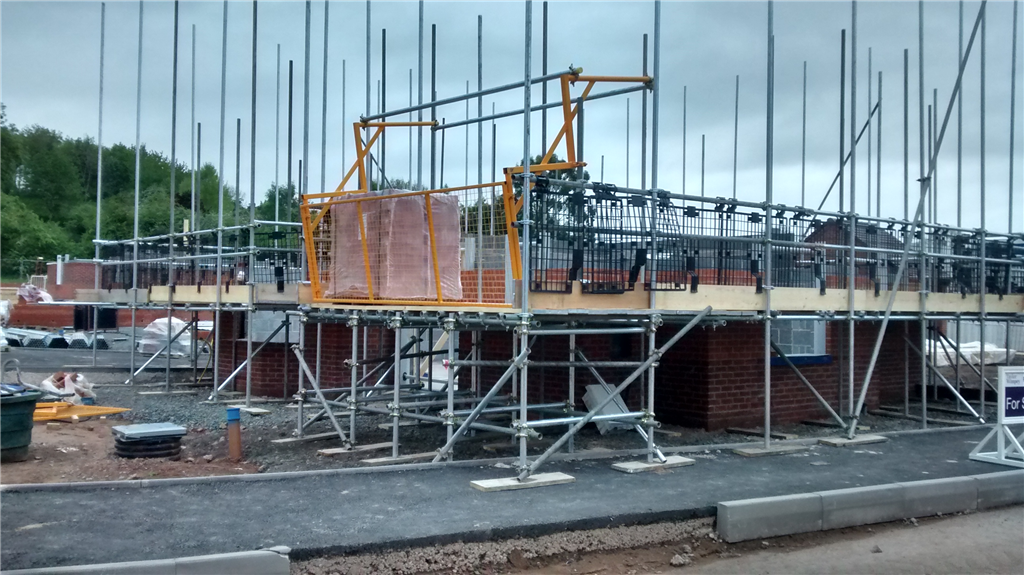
[338, 513]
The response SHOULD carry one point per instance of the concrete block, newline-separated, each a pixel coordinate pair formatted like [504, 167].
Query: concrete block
[769, 516]
[242, 563]
[1000, 489]
[510, 483]
[156, 567]
[861, 506]
[406, 458]
[859, 440]
[642, 466]
[775, 450]
[934, 496]
[306, 438]
[760, 433]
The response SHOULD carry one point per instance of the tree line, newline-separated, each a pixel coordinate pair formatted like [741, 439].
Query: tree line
[48, 195]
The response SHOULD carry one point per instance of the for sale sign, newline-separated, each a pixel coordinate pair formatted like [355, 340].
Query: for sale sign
[1011, 395]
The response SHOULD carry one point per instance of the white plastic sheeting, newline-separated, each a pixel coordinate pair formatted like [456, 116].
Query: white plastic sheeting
[398, 248]
[71, 383]
[154, 337]
[970, 352]
[33, 294]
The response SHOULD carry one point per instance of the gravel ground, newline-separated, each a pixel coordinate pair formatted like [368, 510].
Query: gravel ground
[206, 422]
[518, 553]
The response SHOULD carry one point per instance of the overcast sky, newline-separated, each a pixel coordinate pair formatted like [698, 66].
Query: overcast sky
[50, 77]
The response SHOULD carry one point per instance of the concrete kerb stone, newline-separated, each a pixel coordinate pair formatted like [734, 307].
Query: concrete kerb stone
[273, 561]
[243, 563]
[861, 506]
[1000, 489]
[769, 516]
[940, 496]
[931, 430]
[786, 515]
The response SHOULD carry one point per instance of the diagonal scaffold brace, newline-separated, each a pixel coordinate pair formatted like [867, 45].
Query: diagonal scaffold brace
[319, 394]
[653, 359]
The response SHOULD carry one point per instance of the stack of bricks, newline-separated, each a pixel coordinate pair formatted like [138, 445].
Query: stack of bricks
[493, 286]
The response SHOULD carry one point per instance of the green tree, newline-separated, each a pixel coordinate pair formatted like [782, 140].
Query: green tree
[554, 211]
[24, 235]
[51, 182]
[10, 153]
[265, 209]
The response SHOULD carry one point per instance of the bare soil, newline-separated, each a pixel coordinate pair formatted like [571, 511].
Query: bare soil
[84, 451]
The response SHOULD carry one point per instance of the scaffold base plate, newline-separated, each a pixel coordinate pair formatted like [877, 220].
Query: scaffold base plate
[859, 440]
[642, 466]
[510, 483]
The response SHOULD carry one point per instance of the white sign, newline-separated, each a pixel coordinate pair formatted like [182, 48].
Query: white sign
[1007, 449]
[1011, 395]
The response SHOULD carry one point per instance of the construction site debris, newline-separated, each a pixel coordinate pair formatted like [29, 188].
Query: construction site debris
[60, 410]
[74, 387]
[5, 313]
[34, 294]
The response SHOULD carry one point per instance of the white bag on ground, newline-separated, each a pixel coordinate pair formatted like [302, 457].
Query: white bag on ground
[73, 383]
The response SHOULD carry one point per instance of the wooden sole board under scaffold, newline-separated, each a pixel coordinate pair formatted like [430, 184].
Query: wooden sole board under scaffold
[511, 483]
[642, 466]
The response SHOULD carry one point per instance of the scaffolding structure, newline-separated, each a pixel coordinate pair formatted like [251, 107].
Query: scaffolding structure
[575, 258]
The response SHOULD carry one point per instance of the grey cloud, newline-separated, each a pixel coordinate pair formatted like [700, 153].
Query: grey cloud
[50, 65]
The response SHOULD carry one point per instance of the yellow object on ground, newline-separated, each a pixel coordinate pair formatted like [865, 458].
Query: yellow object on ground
[61, 410]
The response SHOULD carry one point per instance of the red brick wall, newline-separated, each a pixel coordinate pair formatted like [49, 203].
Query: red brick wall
[726, 374]
[31, 315]
[493, 286]
[275, 367]
[77, 275]
[712, 379]
[551, 384]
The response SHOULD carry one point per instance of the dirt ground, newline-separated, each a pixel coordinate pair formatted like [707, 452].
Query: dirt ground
[84, 451]
[988, 542]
